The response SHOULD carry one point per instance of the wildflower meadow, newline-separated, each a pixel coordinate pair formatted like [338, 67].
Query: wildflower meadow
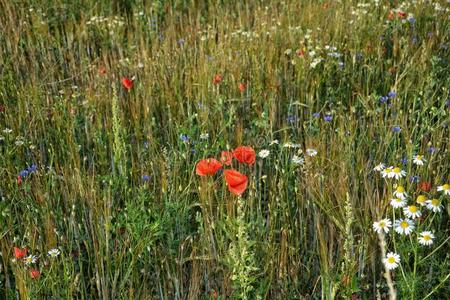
[224, 149]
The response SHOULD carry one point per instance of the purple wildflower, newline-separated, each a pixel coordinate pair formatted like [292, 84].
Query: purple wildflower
[396, 129]
[328, 118]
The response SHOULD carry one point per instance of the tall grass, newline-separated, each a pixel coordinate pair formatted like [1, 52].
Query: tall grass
[115, 188]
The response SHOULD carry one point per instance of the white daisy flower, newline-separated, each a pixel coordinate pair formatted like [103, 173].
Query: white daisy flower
[382, 225]
[298, 160]
[404, 226]
[274, 142]
[380, 167]
[311, 152]
[421, 200]
[412, 212]
[444, 188]
[397, 173]
[435, 205]
[426, 238]
[419, 160]
[31, 259]
[386, 172]
[204, 136]
[54, 252]
[391, 261]
[264, 153]
[397, 202]
[400, 192]
[288, 145]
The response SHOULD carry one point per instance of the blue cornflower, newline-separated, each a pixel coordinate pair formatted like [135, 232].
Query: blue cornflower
[291, 119]
[392, 94]
[383, 99]
[184, 138]
[145, 178]
[431, 150]
[414, 178]
[328, 118]
[24, 173]
[412, 20]
[193, 151]
[32, 168]
[404, 161]
[396, 129]
[316, 115]
[180, 42]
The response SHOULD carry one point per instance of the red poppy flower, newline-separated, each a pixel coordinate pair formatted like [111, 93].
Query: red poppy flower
[242, 87]
[391, 15]
[19, 180]
[301, 52]
[402, 14]
[425, 186]
[226, 157]
[217, 79]
[236, 182]
[127, 83]
[20, 253]
[102, 71]
[245, 154]
[208, 166]
[34, 273]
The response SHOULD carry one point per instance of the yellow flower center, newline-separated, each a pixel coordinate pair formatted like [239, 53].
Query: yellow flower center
[419, 157]
[446, 187]
[388, 170]
[397, 170]
[413, 209]
[426, 238]
[400, 189]
[382, 224]
[421, 199]
[391, 260]
[398, 200]
[435, 202]
[404, 224]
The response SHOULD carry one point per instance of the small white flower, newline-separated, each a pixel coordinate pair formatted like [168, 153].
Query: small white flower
[19, 143]
[380, 167]
[31, 259]
[264, 153]
[434, 205]
[7, 131]
[412, 212]
[391, 261]
[397, 202]
[54, 252]
[444, 188]
[421, 200]
[404, 226]
[315, 62]
[298, 160]
[204, 136]
[426, 238]
[274, 142]
[386, 172]
[400, 192]
[311, 152]
[397, 173]
[419, 160]
[382, 225]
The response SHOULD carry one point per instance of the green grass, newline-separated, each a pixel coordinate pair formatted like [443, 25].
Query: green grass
[298, 231]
